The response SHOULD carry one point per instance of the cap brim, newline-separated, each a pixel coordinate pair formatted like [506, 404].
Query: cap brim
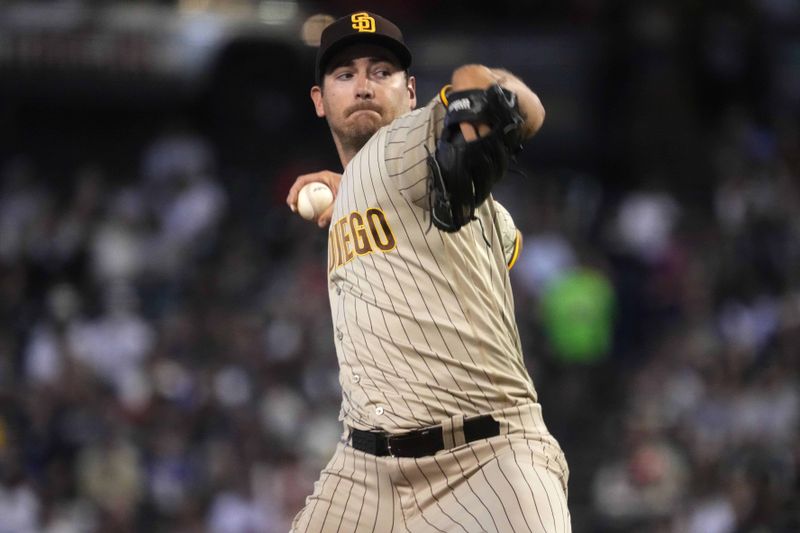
[400, 50]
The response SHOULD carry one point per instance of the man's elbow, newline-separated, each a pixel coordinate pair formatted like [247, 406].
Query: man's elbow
[535, 117]
[472, 76]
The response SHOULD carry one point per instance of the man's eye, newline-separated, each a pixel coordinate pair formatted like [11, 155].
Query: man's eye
[383, 73]
[344, 75]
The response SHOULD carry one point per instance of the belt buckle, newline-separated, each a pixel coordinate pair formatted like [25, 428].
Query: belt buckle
[389, 447]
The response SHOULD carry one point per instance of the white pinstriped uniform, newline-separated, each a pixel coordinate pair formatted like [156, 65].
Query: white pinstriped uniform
[425, 335]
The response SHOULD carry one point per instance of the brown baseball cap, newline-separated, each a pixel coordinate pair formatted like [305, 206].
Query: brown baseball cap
[362, 26]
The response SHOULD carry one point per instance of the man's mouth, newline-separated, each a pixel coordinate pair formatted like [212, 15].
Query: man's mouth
[356, 109]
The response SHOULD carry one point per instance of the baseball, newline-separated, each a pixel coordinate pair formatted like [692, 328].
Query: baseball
[313, 199]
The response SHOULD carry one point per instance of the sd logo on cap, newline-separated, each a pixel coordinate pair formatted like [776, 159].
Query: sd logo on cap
[363, 22]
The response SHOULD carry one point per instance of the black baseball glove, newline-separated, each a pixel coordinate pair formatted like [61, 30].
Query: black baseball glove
[463, 173]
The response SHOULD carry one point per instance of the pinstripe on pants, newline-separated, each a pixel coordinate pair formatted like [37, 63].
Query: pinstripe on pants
[512, 482]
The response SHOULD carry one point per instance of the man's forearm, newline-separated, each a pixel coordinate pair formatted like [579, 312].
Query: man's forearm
[481, 77]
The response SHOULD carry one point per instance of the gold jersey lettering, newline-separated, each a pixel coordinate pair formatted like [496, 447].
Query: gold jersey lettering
[343, 231]
[331, 252]
[361, 242]
[381, 232]
[340, 251]
[359, 234]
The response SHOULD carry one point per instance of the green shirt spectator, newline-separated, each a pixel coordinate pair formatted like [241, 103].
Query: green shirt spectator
[578, 315]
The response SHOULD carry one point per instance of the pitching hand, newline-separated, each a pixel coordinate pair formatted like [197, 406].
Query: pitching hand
[331, 179]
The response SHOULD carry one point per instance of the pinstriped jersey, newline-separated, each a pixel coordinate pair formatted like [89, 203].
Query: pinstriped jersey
[423, 320]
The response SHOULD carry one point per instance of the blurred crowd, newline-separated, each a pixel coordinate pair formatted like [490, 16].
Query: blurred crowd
[160, 372]
[690, 421]
[168, 367]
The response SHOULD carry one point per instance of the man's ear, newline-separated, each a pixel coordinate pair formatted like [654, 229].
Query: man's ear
[316, 97]
[412, 91]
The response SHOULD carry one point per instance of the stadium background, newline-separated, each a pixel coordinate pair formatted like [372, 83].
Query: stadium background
[166, 361]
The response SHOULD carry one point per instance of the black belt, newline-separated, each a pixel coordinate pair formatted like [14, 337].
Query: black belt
[420, 442]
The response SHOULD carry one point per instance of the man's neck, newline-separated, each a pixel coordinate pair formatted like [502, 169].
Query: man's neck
[346, 152]
[345, 156]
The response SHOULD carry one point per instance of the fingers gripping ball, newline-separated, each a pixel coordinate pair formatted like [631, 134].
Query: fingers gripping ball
[313, 199]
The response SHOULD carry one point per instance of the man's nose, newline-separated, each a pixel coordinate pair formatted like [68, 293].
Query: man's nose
[364, 87]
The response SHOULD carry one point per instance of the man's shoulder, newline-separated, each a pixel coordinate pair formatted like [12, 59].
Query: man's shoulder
[404, 120]
[414, 126]
[415, 116]
[409, 140]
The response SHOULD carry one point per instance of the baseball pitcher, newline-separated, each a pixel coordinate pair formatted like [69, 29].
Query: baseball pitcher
[442, 428]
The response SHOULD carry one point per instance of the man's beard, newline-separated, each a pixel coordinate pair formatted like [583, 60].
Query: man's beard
[354, 138]
[355, 135]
